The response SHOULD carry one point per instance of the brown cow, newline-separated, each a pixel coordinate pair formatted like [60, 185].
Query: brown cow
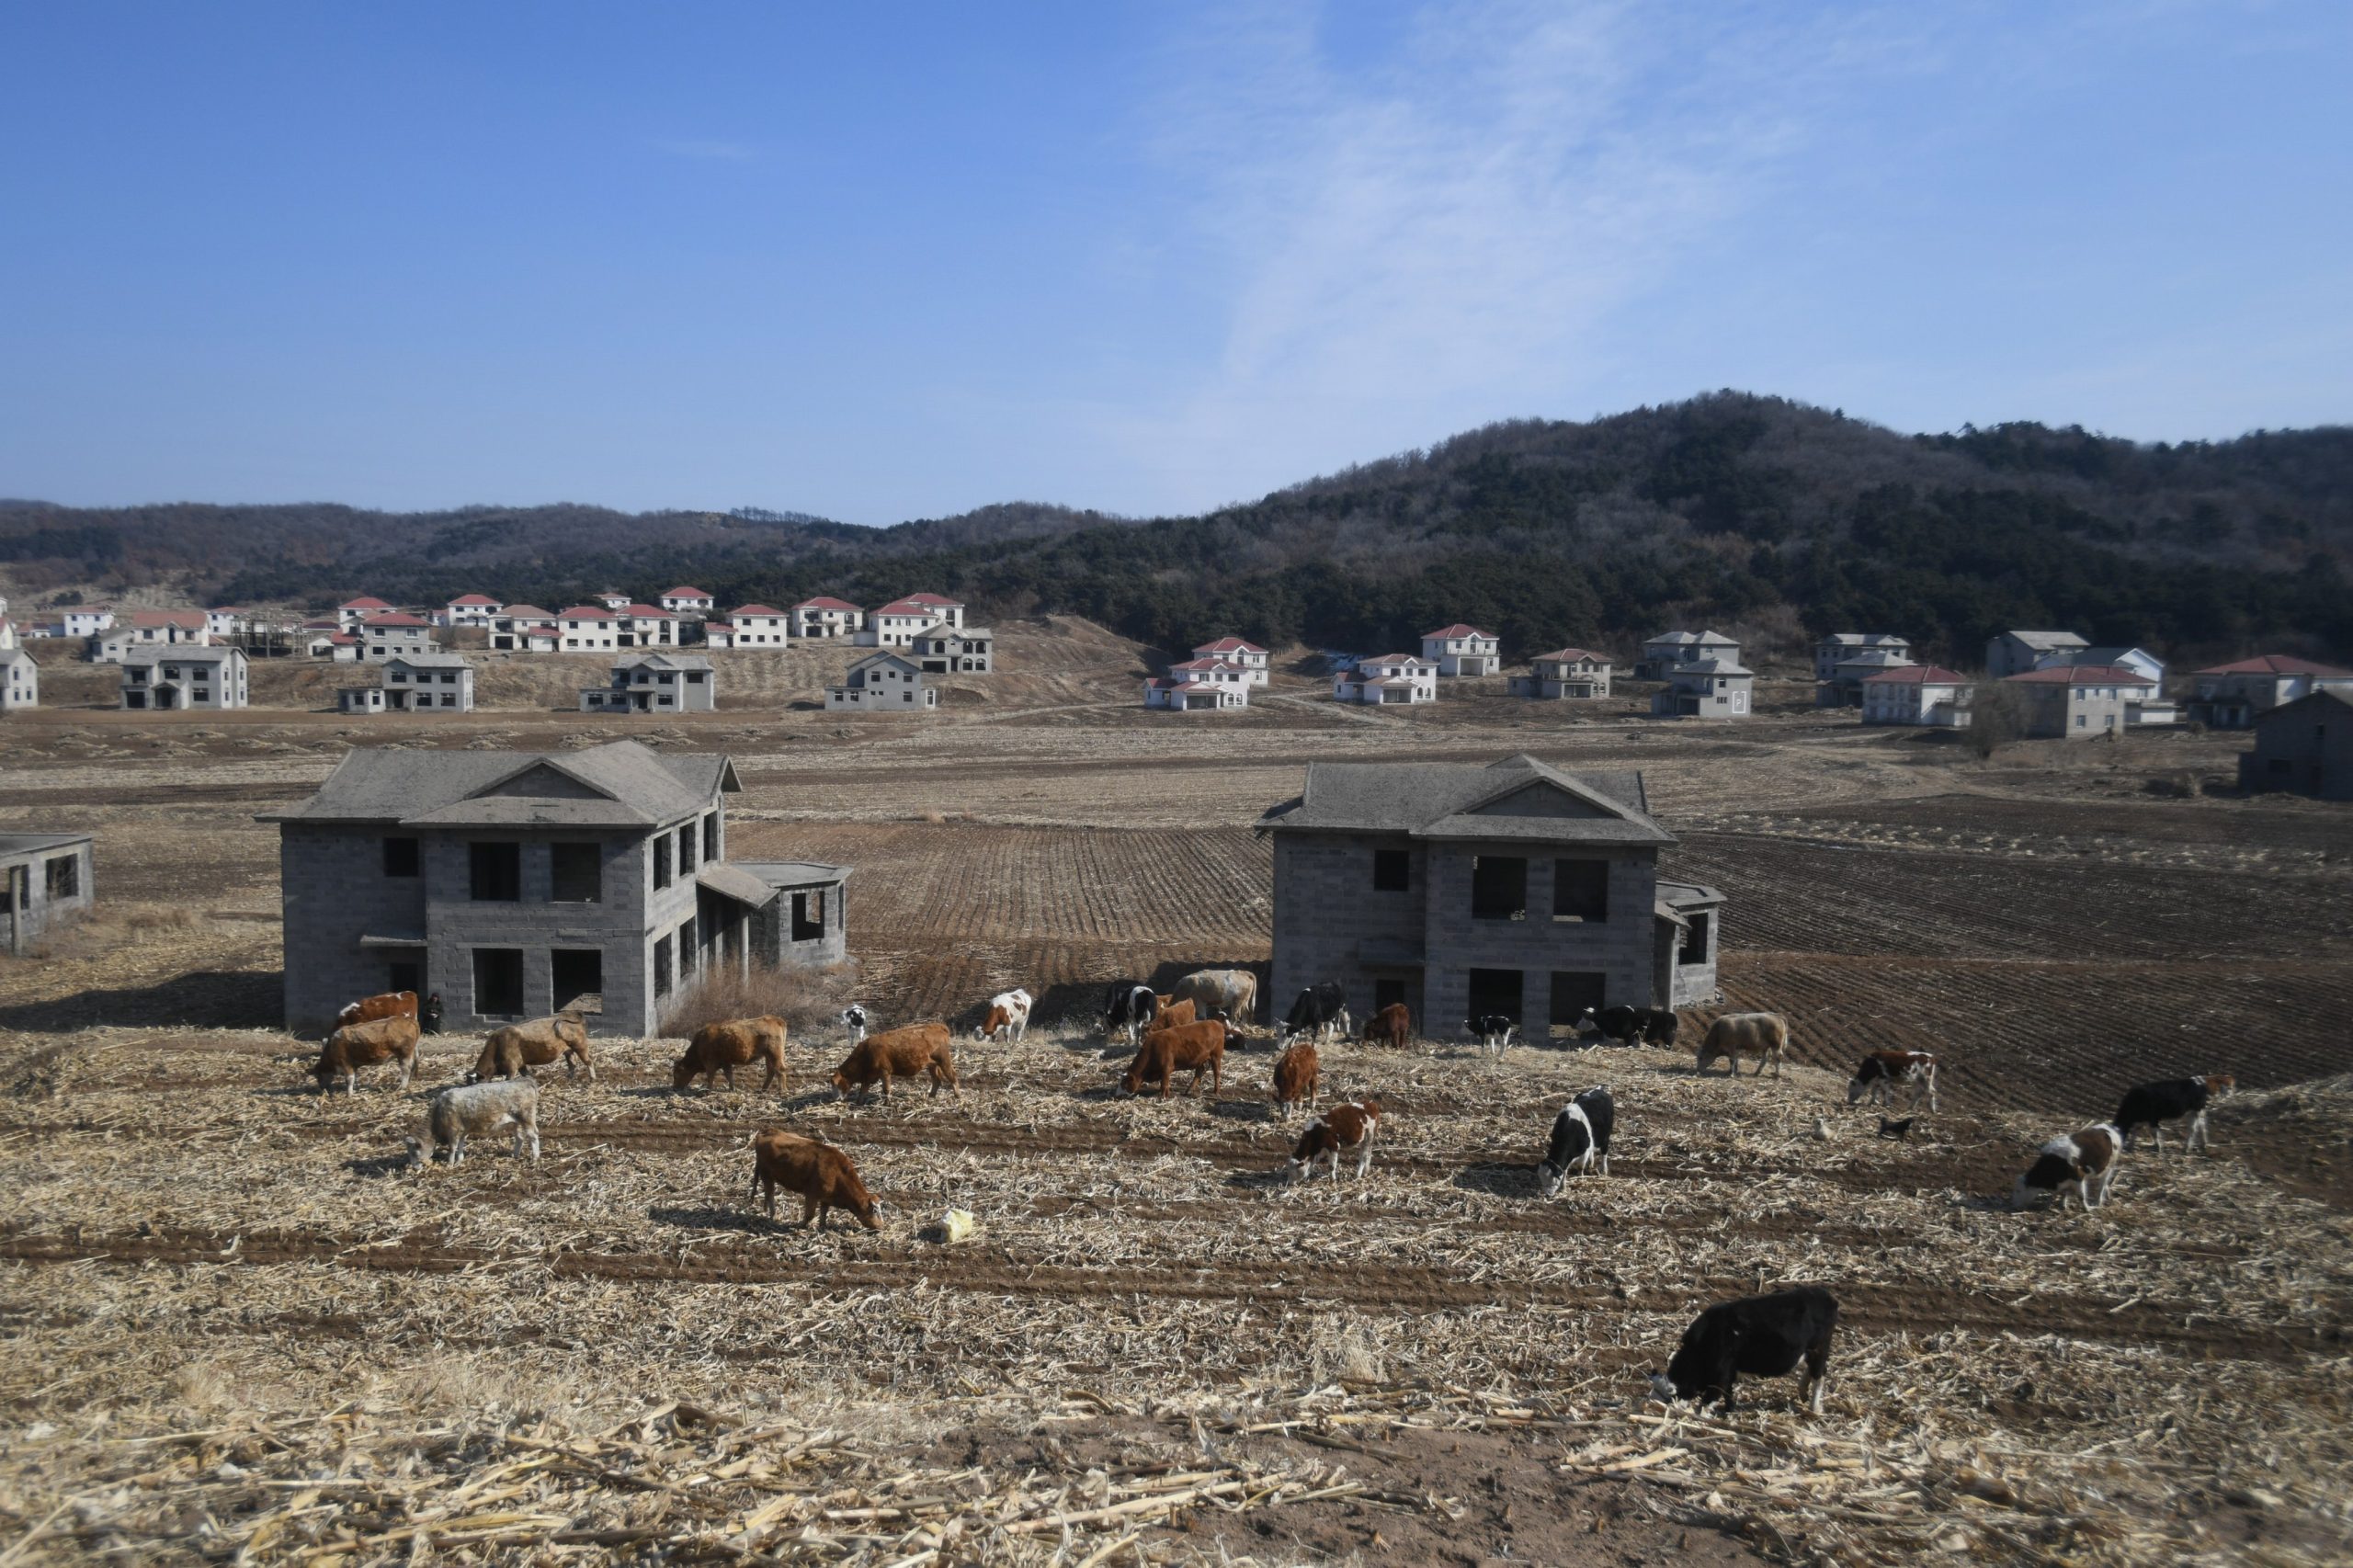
[1765, 1036]
[723, 1046]
[506, 1053]
[821, 1174]
[383, 1004]
[1199, 1048]
[916, 1049]
[1172, 1016]
[1298, 1074]
[1392, 1027]
[1344, 1129]
[365, 1045]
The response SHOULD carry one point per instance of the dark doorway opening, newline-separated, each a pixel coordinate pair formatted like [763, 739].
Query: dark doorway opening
[1572, 995]
[1496, 991]
[498, 982]
[575, 975]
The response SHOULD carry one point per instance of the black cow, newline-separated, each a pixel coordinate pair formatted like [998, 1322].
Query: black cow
[2154, 1105]
[1493, 1029]
[1580, 1137]
[1319, 1008]
[1622, 1023]
[1765, 1337]
[1659, 1025]
[1129, 1005]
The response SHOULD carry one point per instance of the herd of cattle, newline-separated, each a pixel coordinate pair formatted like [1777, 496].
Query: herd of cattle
[1189, 1030]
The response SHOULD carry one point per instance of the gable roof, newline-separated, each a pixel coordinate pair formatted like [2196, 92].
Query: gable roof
[1446, 801]
[2277, 665]
[1569, 655]
[1709, 666]
[621, 784]
[192, 619]
[365, 601]
[2082, 675]
[1229, 645]
[181, 653]
[2044, 641]
[428, 661]
[2304, 706]
[823, 603]
[1688, 639]
[1458, 629]
[526, 612]
[683, 593]
[874, 661]
[649, 612]
[396, 620]
[585, 613]
[662, 661]
[755, 609]
[471, 599]
[1918, 674]
[1867, 640]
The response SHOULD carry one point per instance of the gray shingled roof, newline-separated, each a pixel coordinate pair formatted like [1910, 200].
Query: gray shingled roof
[1687, 639]
[33, 843]
[1710, 667]
[1443, 800]
[430, 661]
[623, 784]
[181, 653]
[663, 660]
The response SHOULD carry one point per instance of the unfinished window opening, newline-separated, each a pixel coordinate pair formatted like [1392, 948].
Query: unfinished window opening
[662, 966]
[1694, 941]
[1580, 890]
[575, 873]
[497, 872]
[690, 947]
[63, 877]
[1392, 870]
[1498, 887]
[711, 836]
[498, 982]
[401, 857]
[1573, 993]
[661, 860]
[808, 916]
[1388, 993]
[686, 850]
[406, 974]
[1495, 991]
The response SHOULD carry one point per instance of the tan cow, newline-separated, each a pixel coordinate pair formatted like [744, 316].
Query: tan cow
[1735, 1035]
[355, 1045]
[917, 1050]
[723, 1046]
[506, 1053]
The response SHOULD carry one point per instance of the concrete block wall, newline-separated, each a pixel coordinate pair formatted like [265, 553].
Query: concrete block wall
[40, 910]
[1327, 913]
[1621, 949]
[332, 891]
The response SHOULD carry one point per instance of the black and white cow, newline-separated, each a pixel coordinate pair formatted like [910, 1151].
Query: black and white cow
[1128, 1006]
[2082, 1161]
[1320, 1009]
[1631, 1026]
[855, 1019]
[1493, 1030]
[1883, 1074]
[2154, 1105]
[1765, 1337]
[1580, 1138]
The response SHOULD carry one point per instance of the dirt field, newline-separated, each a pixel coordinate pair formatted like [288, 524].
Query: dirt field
[236, 1327]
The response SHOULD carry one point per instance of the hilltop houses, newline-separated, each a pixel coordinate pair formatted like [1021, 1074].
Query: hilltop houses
[749, 626]
[2234, 696]
[1840, 646]
[1705, 688]
[171, 679]
[1180, 693]
[2140, 661]
[1462, 650]
[1671, 650]
[941, 649]
[150, 629]
[1576, 672]
[1844, 688]
[691, 603]
[351, 612]
[646, 626]
[83, 621]
[1387, 679]
[1918, 694]
[386, 636]
[896, 623]
[882, 683]
[472, 610]
[655, 683]
[2015, 652]
[827, 618]
[225, 621]
[525, 628]
[588, 629]
[1235, 651]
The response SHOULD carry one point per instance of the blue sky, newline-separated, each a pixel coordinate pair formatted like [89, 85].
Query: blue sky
[888, 262]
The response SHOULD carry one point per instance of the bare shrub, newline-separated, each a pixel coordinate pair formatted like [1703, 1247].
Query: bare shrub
[1996, 718]
[800, 997]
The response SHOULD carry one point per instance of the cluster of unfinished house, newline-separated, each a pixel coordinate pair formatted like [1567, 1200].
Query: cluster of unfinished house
[917, 638]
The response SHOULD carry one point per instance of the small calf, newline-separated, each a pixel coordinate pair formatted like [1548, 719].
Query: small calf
[1580, 1139]
[824, 1177]
[1765, 1337]
[1493, 1030]
[1660, 1025]
[2083, 1161]
[474, 1110]
[855, 1019]
[1392, 1025]
[355, 1045]
[1883, 1073]
[1344, 1129]
[912, 1050]
[1298, 1074]
[721, 1048]
[1195, 1048]
[1008, 1013]
[2154, 1105]
[1172, 1016]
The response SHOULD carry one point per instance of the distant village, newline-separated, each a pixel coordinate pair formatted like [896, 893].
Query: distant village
[2052, 684]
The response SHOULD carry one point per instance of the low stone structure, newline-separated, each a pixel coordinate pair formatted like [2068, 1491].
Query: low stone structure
[44, 877]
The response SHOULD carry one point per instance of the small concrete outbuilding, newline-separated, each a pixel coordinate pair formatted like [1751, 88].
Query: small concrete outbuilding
[44, 877]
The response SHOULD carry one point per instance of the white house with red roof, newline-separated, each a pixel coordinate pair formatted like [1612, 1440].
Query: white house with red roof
[2232, 696]
[896, 623]
[1462, 650]
[690, 602]
[1235, 650]
[1178, 693]
[822, 617]
[586, 629]
[2080, 702]
[1222, 673]
[472, 610]
[1577, 673]
[646, 626]
[524, 629]
[1387, 679]
[389, 636]
[351, 612]
[1927, 695]
[749, 626]
[611, 600]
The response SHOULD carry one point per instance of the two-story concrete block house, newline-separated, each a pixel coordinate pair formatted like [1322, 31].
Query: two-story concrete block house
[1385, 679]
[2232, 696]
[687, 602]
[882, 683]
[896, 623]
[588, 629]
[169, 679]
[749, 626]
[518, 883]
[2080, 702]
[440, 683]
[1670, 650]
[1236, 651]
[472, 610]
[1564, 673]
[151, 629]
[385, 637]
[351, 612]
[1463, 890]
[44, 877]
[646, 626]
[525, 628]
[2011, 653]
[1705, 688]
[1844, 686]
[1840, 646]
[1206, 675]
[941, 649]
[1462, 650]
[655, 683]
[823, 617]
[1178, 693]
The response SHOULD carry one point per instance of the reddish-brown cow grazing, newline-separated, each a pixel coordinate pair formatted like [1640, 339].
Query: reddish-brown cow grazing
[1172, 1016]
[355, 1045]
[908, 1053]
[1392, 1027]
[1344, 1129]
[506, 1053]
[383, 1004]
[821, 1174]
[723, 1046]
[1298, 1074]
[1195, 1047]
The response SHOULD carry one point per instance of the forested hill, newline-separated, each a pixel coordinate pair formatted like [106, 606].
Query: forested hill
[1743, 511]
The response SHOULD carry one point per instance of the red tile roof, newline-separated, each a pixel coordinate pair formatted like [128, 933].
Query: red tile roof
[188, 618]
[932, 599]
[828, 604]
[585, 612]
[649, 612]
[2275, 665]
[753, 609]
[471, 599]
[2083, 674]
[683, 594]
[1918, 675]
[1229, 645]
[363, 602]
[1456, 630]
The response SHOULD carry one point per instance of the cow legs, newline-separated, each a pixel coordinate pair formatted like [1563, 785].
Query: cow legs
[2197, 1135]
[458, 1148]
